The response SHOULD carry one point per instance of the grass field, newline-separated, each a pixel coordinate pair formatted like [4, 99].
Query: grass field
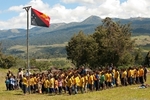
[119, 93]
[142, 39]
[34, 48]
[139, 40]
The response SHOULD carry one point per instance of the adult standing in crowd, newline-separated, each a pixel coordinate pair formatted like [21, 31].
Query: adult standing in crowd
[145, 73]
[83, 71]
[28, 73]
[20, 76]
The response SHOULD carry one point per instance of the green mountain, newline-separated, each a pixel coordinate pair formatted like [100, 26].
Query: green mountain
[60, 33]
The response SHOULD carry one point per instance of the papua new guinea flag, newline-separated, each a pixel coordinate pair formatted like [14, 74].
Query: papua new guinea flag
[39, 19]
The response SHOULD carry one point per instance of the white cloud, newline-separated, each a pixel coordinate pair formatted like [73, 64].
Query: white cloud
[16, 8]
[132, 8]
[83, 1]
[76, 1]
[86, 8]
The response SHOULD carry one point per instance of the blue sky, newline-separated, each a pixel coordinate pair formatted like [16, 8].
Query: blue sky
[70, 10]
[5, 14]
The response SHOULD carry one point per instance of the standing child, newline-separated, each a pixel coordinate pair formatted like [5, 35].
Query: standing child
[24, 84]
[102, 81]
[141, 75]
[31, 84]
[86, 82]
[16, 86]
[137, 76]
[69, 84]
[35, 82]
[109, 79]
[56, 85]
[39, 81]
[91, 81]
[60, 83]
[82, 83]
[96, 80]
[7, 83]
[52, 80]
[46, 85]
[28, 84]
[12, 82]
[64, 83]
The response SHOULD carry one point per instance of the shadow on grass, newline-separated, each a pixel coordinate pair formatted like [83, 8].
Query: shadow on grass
[6, 90]
[18, 94]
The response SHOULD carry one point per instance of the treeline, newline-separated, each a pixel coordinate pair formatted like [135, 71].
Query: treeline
[6, 61]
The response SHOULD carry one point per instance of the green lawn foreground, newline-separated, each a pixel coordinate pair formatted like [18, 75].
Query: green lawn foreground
[119, 93]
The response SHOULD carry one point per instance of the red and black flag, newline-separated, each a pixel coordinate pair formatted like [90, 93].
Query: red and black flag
[39, 19]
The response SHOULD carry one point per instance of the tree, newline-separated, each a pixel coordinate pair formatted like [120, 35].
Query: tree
[114, 42]
[82, 49]
[147, 59]
[7, 61]
[33, 62]
[139, 59]
[43, 65]
[110, 43]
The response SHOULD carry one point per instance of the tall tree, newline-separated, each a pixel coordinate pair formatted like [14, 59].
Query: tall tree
[139, 59]
[6, 61]
[82, 49]
[110, 43]
[74, 48]
[114, 42]
[147, 59]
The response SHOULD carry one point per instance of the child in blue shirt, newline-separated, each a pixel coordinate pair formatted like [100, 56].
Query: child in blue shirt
[7, 82]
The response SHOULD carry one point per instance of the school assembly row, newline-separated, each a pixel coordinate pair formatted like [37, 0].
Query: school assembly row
[74, 81]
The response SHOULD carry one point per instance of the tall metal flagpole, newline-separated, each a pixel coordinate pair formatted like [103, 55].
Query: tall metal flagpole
[27, 10]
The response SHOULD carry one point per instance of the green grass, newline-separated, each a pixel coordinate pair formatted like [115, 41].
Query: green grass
[58, 50]
[142, 39]
[119, 93]
[139, 40]
[34, 48]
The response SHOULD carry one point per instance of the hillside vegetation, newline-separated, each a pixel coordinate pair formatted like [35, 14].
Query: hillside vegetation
[142, 41]
[59, 33]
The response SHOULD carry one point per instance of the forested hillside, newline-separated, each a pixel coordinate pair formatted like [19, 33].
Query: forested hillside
[14, 40]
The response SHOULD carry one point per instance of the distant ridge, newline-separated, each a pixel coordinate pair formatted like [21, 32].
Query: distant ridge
[62, 32]
[92, 20]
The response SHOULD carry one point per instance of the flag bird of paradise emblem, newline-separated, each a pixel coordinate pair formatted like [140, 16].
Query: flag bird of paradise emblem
[45, 17]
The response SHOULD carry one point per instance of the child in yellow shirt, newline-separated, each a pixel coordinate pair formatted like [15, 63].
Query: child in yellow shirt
[141, 75]
[24, 84]
[86, 82]
[137, 76]
[69, 84]
[56, 85]
[76, 83]
[52, 84]
[82, 83]
[46, 85]
[91, 81]
[31, 84]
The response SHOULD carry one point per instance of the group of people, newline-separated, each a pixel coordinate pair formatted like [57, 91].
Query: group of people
[11, 81]
[74, 81]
